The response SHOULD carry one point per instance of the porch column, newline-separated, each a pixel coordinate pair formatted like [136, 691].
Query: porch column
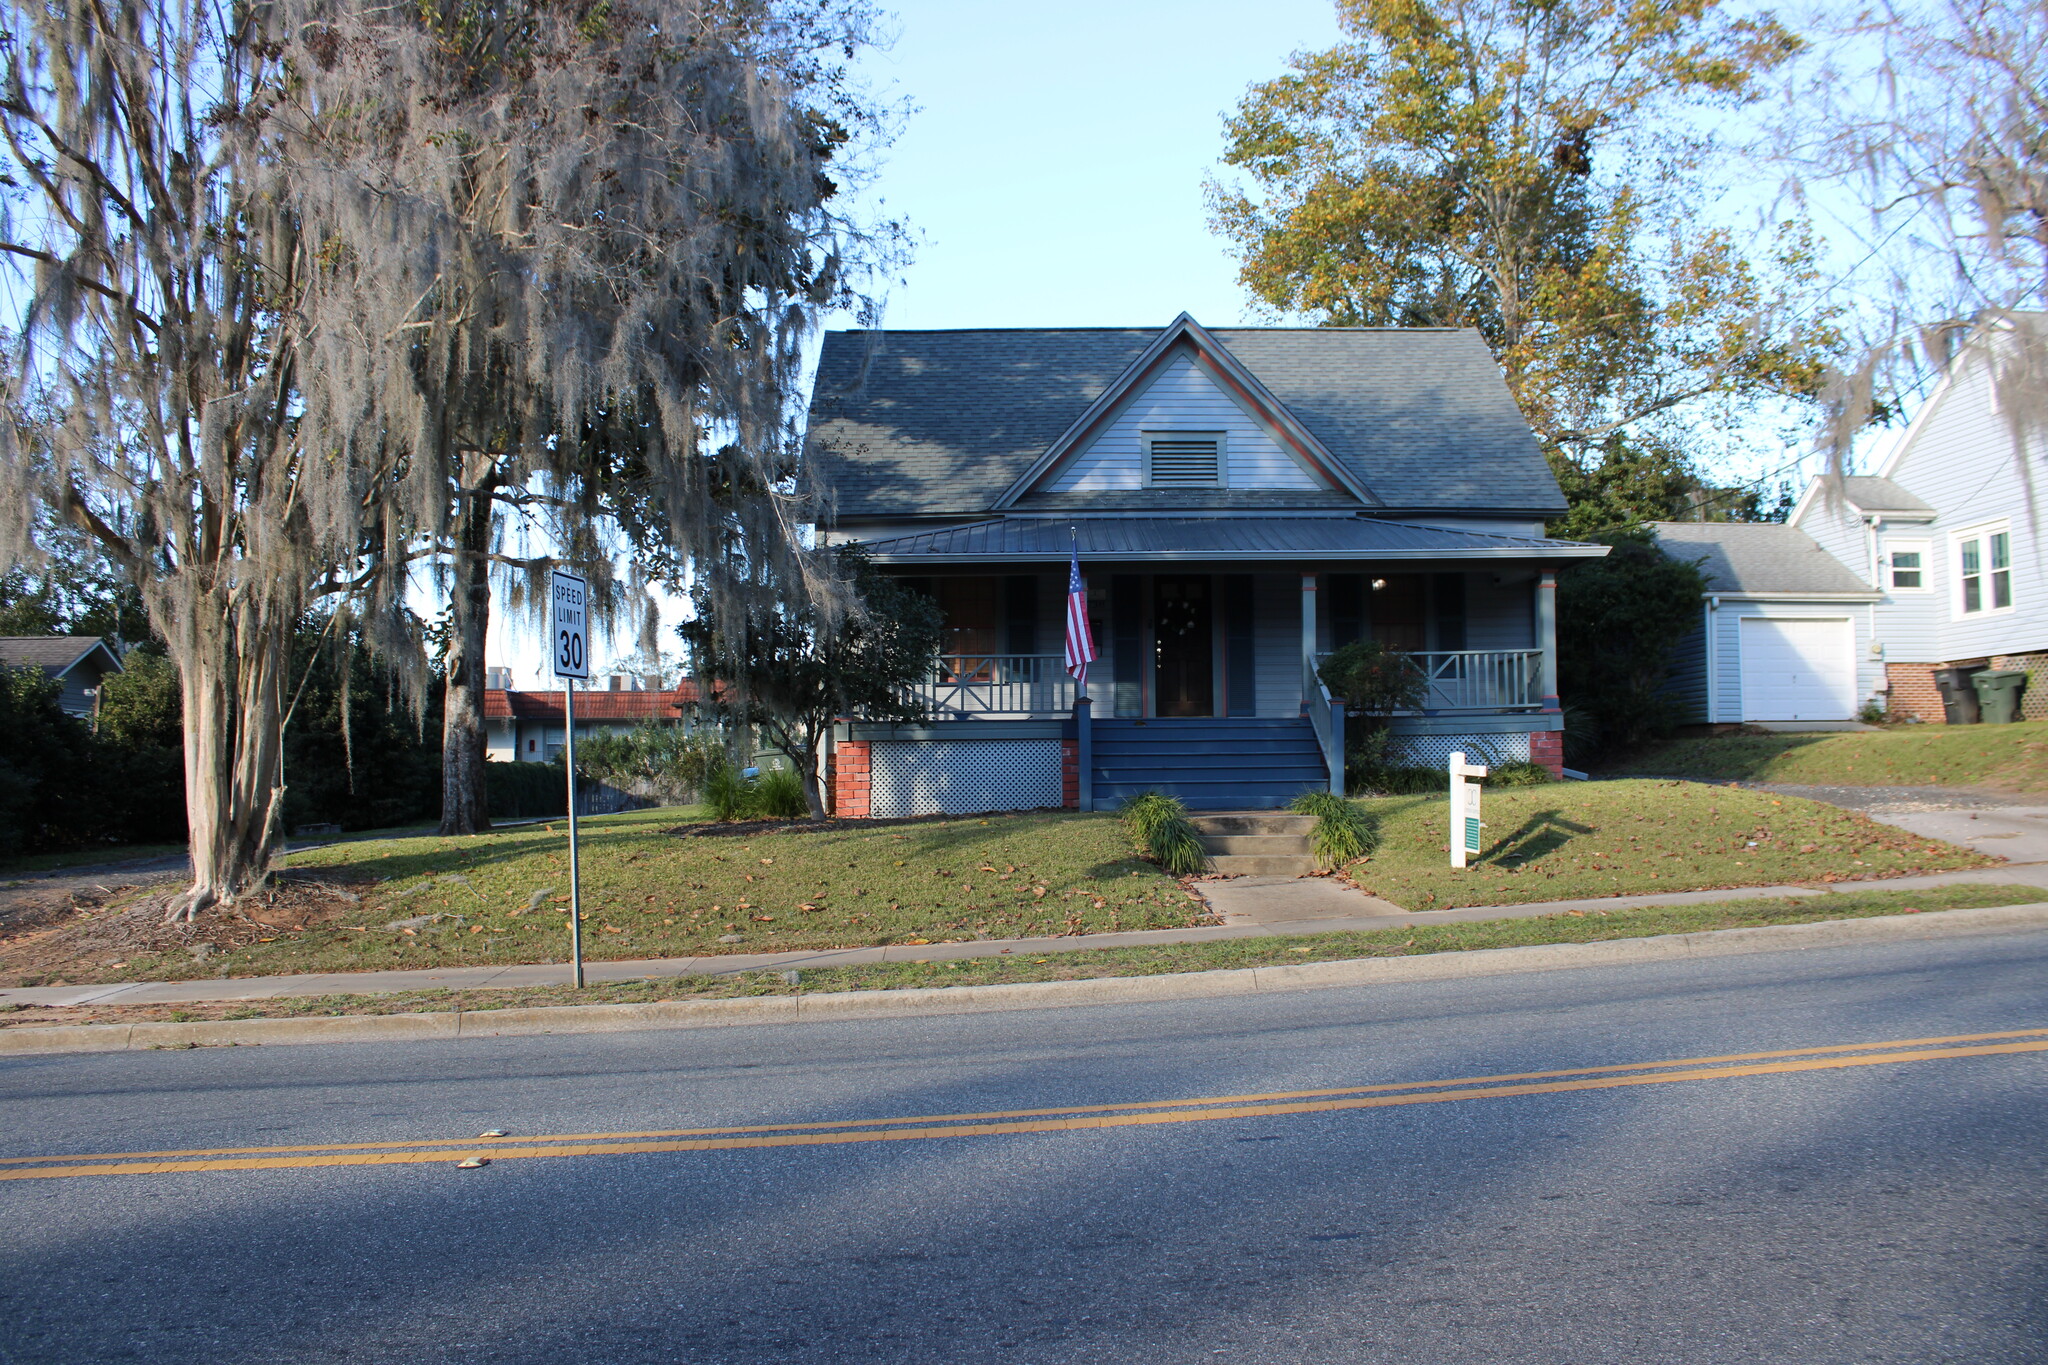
[1546, 635]
[1308, 630]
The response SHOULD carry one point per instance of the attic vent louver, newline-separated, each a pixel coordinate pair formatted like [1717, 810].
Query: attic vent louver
[1186, 460]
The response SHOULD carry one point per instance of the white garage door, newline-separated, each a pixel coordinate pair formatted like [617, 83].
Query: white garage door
[1798, 670]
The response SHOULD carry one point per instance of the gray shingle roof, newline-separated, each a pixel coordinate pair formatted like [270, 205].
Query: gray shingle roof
[57, 654]
[1212, 538]
[1872, 494]
[1758, 557]
[937, 423]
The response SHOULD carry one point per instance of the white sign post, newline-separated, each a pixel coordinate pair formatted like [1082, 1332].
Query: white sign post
[569, 627]
[1464, 808]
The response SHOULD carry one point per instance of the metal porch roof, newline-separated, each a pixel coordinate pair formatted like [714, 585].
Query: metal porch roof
[1038, 540]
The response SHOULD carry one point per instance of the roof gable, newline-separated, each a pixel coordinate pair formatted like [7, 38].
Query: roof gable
[1187, 342]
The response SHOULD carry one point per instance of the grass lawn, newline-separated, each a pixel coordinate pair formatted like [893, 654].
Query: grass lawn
[1570, 927]
[502, 897]
[1577, 839]
[2012, 757]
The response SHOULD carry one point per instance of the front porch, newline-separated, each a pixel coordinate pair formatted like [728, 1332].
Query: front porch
[1205, 686]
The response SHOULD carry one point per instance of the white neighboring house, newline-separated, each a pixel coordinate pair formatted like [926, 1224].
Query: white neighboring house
[1785, 629]
[78, 662]
[1952, 533]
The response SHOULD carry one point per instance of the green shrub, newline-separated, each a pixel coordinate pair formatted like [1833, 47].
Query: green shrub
[1371, 769]
[652, 758]
[779, 795]
[1373, 679]
[1159, 827]
[1343, 833]
[1518, 774]
[730, 796]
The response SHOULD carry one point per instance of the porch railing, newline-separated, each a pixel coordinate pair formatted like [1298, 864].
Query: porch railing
[1482, 679]
[1478, 679]
[1326, 715]
[996, 684]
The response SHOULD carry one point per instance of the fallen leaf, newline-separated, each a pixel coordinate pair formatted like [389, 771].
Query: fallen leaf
[474, 1163]
[984, 868]
[492, 1132]
[917, 940]
[1577, 914]
[1040, 960]
[766, 861]
[476, 928]
[1301, 950]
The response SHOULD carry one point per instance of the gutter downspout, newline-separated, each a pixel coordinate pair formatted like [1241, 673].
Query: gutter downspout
[1713, 642]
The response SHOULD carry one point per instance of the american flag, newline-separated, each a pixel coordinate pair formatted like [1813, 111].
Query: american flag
[1080, 640]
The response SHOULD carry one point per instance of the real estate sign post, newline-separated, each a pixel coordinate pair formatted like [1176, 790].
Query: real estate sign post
[1464, 808]
[569, 597]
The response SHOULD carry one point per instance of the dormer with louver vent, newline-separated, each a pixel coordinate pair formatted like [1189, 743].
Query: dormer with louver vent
[1184, 459]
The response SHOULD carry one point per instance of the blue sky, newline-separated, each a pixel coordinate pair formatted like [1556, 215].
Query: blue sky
[1055, 165]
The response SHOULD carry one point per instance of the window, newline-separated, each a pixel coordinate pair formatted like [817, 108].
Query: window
[1184, 459]
[1983, 570]
[1906, 566]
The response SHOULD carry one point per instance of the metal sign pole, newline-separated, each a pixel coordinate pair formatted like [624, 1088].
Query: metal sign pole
[575, 873]
[569, 595]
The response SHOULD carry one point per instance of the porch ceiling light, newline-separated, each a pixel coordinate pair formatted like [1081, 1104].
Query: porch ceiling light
[1378, 583]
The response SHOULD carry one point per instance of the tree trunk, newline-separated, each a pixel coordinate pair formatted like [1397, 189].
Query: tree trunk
[465, 807]
[231, 666]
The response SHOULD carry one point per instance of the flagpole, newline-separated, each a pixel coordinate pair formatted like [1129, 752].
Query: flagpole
[1080, 683]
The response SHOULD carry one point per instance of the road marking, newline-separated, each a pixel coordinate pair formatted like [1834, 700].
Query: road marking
[836, 1124]
[1209, 1109]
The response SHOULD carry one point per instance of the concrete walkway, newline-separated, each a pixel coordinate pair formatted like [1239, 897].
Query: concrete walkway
[1250, 907]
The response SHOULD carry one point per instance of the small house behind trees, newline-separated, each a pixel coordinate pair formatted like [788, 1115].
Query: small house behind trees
[527, 726]
[77, 662]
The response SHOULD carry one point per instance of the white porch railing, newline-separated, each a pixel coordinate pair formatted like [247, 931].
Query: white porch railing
[1326, 715]
[1482, 679]
[997, 685]
[1477, 679]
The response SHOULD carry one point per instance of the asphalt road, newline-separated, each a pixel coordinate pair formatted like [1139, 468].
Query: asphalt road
[1815, 1213]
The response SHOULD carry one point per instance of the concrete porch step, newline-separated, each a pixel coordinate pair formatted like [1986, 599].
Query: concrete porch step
[1262, 864]
[1280, 845]
[1255, 822]
[1257, 843]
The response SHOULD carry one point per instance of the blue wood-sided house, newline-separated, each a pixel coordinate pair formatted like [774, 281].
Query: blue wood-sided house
[1243, 500]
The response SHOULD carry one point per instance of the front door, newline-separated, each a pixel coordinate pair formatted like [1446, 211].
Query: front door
[1184, 645]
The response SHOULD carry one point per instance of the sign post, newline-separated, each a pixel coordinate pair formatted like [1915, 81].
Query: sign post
[569, 601]
[1464, 808]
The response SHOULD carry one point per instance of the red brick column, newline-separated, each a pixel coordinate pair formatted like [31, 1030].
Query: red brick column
[1913, 692]
[1070, 774]
[1546, 751]
[850, 780]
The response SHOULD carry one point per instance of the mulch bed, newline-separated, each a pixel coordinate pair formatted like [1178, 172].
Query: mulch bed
[82, 933]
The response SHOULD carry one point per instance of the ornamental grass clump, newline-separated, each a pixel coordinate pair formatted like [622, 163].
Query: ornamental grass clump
[1343, 832]
[1159, 826]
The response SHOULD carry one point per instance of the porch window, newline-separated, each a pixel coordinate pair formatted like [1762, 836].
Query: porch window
[1184, 459]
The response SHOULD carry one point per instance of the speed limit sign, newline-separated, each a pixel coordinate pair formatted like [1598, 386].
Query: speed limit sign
[570, 596]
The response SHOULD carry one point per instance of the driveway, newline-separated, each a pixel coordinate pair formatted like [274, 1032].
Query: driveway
[2009, 825]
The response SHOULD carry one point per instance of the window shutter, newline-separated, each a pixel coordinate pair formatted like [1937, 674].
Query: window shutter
[1186, 461]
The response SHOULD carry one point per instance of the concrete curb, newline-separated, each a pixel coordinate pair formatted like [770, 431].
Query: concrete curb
[829, 1007]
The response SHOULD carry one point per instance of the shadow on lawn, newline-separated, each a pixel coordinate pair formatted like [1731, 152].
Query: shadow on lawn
[1543, 833]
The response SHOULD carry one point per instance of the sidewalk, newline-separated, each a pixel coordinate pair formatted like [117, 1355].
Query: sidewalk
[1251, 907]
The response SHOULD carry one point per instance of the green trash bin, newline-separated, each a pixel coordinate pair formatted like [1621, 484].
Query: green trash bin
[1998, 694]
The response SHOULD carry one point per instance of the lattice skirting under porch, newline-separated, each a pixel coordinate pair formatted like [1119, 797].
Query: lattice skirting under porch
[1433, 751]
[959, 776]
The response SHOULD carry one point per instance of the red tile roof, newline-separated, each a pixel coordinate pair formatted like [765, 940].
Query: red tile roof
[500, 704]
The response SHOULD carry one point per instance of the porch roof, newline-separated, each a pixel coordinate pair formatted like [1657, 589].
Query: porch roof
[1013, 540]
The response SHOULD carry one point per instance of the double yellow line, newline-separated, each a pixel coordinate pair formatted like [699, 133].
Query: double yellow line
[928, 1126]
